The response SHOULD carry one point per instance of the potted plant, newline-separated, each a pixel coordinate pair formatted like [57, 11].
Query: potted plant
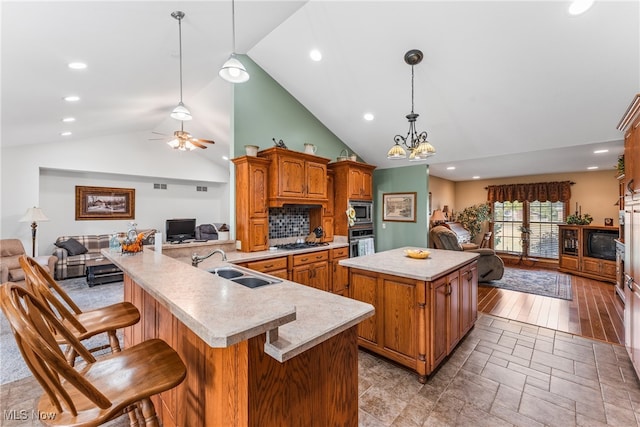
[472, 218]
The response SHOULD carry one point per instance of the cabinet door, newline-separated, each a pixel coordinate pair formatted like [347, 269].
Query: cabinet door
[340, 278]
[590, 265]
[355, 183]
[453, 311]
[364, 288]
[258, 190]
[400, 316]
[329, 208]
[258, 234]
[439, 322]
[316, 185]
[635, 325]
[320, 276]
[367, 185]
[327, 226]
[468, 297]
[291, 179]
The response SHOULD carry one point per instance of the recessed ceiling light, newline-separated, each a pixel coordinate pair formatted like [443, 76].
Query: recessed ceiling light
[67, 133]
[72, 98]
[600, 151]
[69, 119]
[578, 7]
[77, 65]
[315, 55]
[451, 168]
[475, 177]
[592, 168]
[368, 116]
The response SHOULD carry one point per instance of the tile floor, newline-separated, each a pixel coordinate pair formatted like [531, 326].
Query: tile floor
[503, 373]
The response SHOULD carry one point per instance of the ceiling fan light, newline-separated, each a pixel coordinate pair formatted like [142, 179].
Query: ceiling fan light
[174, 143]
[181, 113]
[233, 71]
[189, 146]
[396, 152]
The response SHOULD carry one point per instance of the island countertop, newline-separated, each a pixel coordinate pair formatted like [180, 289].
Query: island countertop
[223, 313]
[396, 263]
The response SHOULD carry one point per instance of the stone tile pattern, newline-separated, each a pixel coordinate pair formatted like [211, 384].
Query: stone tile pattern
[504, 373]
[507, 373]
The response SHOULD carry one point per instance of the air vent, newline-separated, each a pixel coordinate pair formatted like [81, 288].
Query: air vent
[159, 186]
[201, 188]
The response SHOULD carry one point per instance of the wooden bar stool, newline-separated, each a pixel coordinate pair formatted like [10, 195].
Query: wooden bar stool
[99, 390]
[84, 324]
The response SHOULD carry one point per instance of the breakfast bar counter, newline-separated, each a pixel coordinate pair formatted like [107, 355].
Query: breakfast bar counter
[252, 355]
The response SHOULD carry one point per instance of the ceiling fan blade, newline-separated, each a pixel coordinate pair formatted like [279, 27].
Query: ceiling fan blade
[206, 141]
[157, 139]
[197, 144]
[158, 133]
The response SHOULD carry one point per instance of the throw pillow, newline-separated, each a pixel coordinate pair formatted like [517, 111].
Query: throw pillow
[72, 246]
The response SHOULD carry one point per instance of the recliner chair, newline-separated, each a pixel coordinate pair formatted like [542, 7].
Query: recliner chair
[206, 232]
[10, 252]
[490, 265]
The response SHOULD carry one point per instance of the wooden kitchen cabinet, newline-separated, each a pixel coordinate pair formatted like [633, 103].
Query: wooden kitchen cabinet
[323, 216]
[274, 266]
[295, 177]
[252, 222]
[574, 257]
[352, 181]
[416, 323]
[312, 269]
[339, 274]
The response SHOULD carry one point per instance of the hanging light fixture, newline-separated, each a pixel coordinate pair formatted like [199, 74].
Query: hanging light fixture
[417, 144]
[233, 71]
[180, 112]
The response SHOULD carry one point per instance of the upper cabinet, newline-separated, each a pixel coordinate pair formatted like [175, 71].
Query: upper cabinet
[295, 177]
[252, 222]
[630, 124]
[352, 181]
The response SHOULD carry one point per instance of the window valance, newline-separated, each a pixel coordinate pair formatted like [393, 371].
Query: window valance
[540, 191]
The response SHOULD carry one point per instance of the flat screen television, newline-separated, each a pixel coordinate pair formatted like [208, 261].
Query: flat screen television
[180, 229]
[601, 244]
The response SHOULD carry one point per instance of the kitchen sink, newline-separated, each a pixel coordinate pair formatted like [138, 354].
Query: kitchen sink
[244, 276]
[251, 282]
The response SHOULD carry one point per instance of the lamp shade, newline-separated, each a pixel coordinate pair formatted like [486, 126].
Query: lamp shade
[34, 215]
[438, 216]
[181, 112]
[233, 71]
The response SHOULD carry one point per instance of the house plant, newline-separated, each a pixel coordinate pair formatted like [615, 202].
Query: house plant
[472, 218]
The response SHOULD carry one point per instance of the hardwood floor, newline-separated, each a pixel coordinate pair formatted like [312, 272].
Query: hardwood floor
[595, 311]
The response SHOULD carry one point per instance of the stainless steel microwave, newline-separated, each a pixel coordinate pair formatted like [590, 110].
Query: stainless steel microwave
[364, 211]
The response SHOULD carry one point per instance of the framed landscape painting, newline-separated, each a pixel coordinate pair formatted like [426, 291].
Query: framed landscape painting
[94, 203]
[399, 207]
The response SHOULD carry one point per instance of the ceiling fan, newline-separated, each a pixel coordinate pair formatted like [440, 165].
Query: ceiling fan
[183, 140]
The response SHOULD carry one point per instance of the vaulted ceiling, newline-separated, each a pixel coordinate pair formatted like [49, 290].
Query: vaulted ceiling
[506, 88]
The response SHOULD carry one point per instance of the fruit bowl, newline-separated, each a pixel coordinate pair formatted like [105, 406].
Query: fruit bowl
[417, 253]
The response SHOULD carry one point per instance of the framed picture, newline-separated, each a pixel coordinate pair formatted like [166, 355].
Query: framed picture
[399, 207]
[105, 203]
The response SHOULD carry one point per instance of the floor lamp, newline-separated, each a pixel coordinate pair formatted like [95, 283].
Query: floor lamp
[34, 215]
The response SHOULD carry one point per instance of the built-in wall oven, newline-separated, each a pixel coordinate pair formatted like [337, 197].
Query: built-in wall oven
[361, 241]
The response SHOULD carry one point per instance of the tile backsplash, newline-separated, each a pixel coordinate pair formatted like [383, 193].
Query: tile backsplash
[288, 221]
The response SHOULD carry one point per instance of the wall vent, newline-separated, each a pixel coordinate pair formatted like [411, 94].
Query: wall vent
[201, 188]
[159, 186]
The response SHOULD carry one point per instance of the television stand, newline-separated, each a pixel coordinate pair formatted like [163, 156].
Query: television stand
[573, 257]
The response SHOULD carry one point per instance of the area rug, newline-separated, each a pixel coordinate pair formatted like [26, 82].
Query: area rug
[539, 282]
[12, 366]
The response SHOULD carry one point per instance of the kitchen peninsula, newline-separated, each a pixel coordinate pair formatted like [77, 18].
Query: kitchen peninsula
[278, 355]
[423, 307]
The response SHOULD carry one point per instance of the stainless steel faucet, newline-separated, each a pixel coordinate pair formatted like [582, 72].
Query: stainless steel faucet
[197, 259]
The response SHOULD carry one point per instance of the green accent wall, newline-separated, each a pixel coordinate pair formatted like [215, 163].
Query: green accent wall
[264, 110]
[407, 179]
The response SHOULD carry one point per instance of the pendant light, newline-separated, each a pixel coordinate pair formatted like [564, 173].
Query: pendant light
[180, 112]
[233, 71]
[416, 143]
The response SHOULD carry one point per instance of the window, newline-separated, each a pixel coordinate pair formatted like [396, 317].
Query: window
[540, 218]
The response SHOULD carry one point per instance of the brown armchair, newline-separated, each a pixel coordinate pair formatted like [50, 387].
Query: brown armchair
[490, 265]
[10, 252]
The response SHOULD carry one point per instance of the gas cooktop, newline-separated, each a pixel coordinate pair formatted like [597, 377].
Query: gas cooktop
[303, 245]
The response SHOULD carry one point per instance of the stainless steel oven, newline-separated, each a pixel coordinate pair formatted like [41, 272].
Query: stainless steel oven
[361, 241]
[364, 212]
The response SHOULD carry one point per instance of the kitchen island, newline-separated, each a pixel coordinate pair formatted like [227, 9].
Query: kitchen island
[278, 355]
[423, 307]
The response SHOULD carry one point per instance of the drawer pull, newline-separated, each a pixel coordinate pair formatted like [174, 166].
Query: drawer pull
[268, 266]
[304, 259]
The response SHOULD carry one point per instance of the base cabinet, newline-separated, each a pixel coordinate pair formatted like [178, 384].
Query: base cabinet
[416, 323]
[312, 269]
[241, 385]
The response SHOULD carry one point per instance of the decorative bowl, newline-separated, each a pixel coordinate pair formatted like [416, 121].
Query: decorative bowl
[417, 253]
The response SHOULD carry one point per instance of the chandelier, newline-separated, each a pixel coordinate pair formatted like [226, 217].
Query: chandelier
[416, 142]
